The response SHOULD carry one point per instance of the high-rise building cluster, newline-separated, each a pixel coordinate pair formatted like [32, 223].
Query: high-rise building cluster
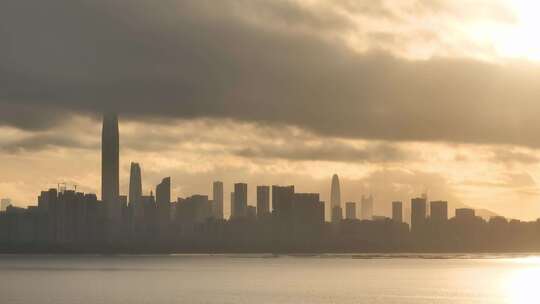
[280, 219]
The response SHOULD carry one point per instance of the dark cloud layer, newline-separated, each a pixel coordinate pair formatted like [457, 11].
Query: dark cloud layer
[261, 61]
[328, 151]
[39, 142]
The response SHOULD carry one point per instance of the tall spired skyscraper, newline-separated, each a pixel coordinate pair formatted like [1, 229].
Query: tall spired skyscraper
[110, 159]
[335, 200]
[135, 184]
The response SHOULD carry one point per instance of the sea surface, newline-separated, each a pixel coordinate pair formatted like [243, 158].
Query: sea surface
[159, 279]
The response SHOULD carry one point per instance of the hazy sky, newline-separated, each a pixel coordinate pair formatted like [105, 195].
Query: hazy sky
[397, 97]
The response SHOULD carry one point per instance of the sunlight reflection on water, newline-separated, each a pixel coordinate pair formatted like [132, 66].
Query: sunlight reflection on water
[367, 279]
[522, 285]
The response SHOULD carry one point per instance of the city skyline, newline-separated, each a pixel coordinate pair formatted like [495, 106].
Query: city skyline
[110, 166]
[283, 198]
[66, 220]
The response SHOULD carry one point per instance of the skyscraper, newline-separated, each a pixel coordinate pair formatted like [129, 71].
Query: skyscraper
[337, 214]
[466, 218]
[217, 205]
[418, 213]
[135, 202]
[110, 167]
[232, 215]
[135, 184]
[366, 207]
[194, 209]
[240, 200]
[439, 211]
[465, 213]
[335, 198]
[335, 195]
[397, 212]
[163, 200]
[282, 200]
[263, 200]
[350, 210]
[110, 159]
[307, 209]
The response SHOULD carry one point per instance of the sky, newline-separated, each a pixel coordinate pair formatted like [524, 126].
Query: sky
[398, 98]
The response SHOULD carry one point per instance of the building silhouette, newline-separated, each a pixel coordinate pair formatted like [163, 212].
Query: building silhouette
[263, 201]
[366, 207]
[217, 198]
[135, 184]
[110, 159]
[350, 210]
[418, 214]
[232, 207]
[465, 213]
[307, 209]
[337, 214]
[240, 200]
[335, 200]
[439, 211]
[282, 200]
[163, 200]
[110, 166]
[69, 221]
[397, 212]
[195, 209]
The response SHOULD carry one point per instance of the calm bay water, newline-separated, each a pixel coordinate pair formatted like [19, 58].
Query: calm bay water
[268, 279]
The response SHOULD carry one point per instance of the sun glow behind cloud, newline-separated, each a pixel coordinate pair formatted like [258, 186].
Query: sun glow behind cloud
[509, 40]
[494, 31]
[520, 40]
